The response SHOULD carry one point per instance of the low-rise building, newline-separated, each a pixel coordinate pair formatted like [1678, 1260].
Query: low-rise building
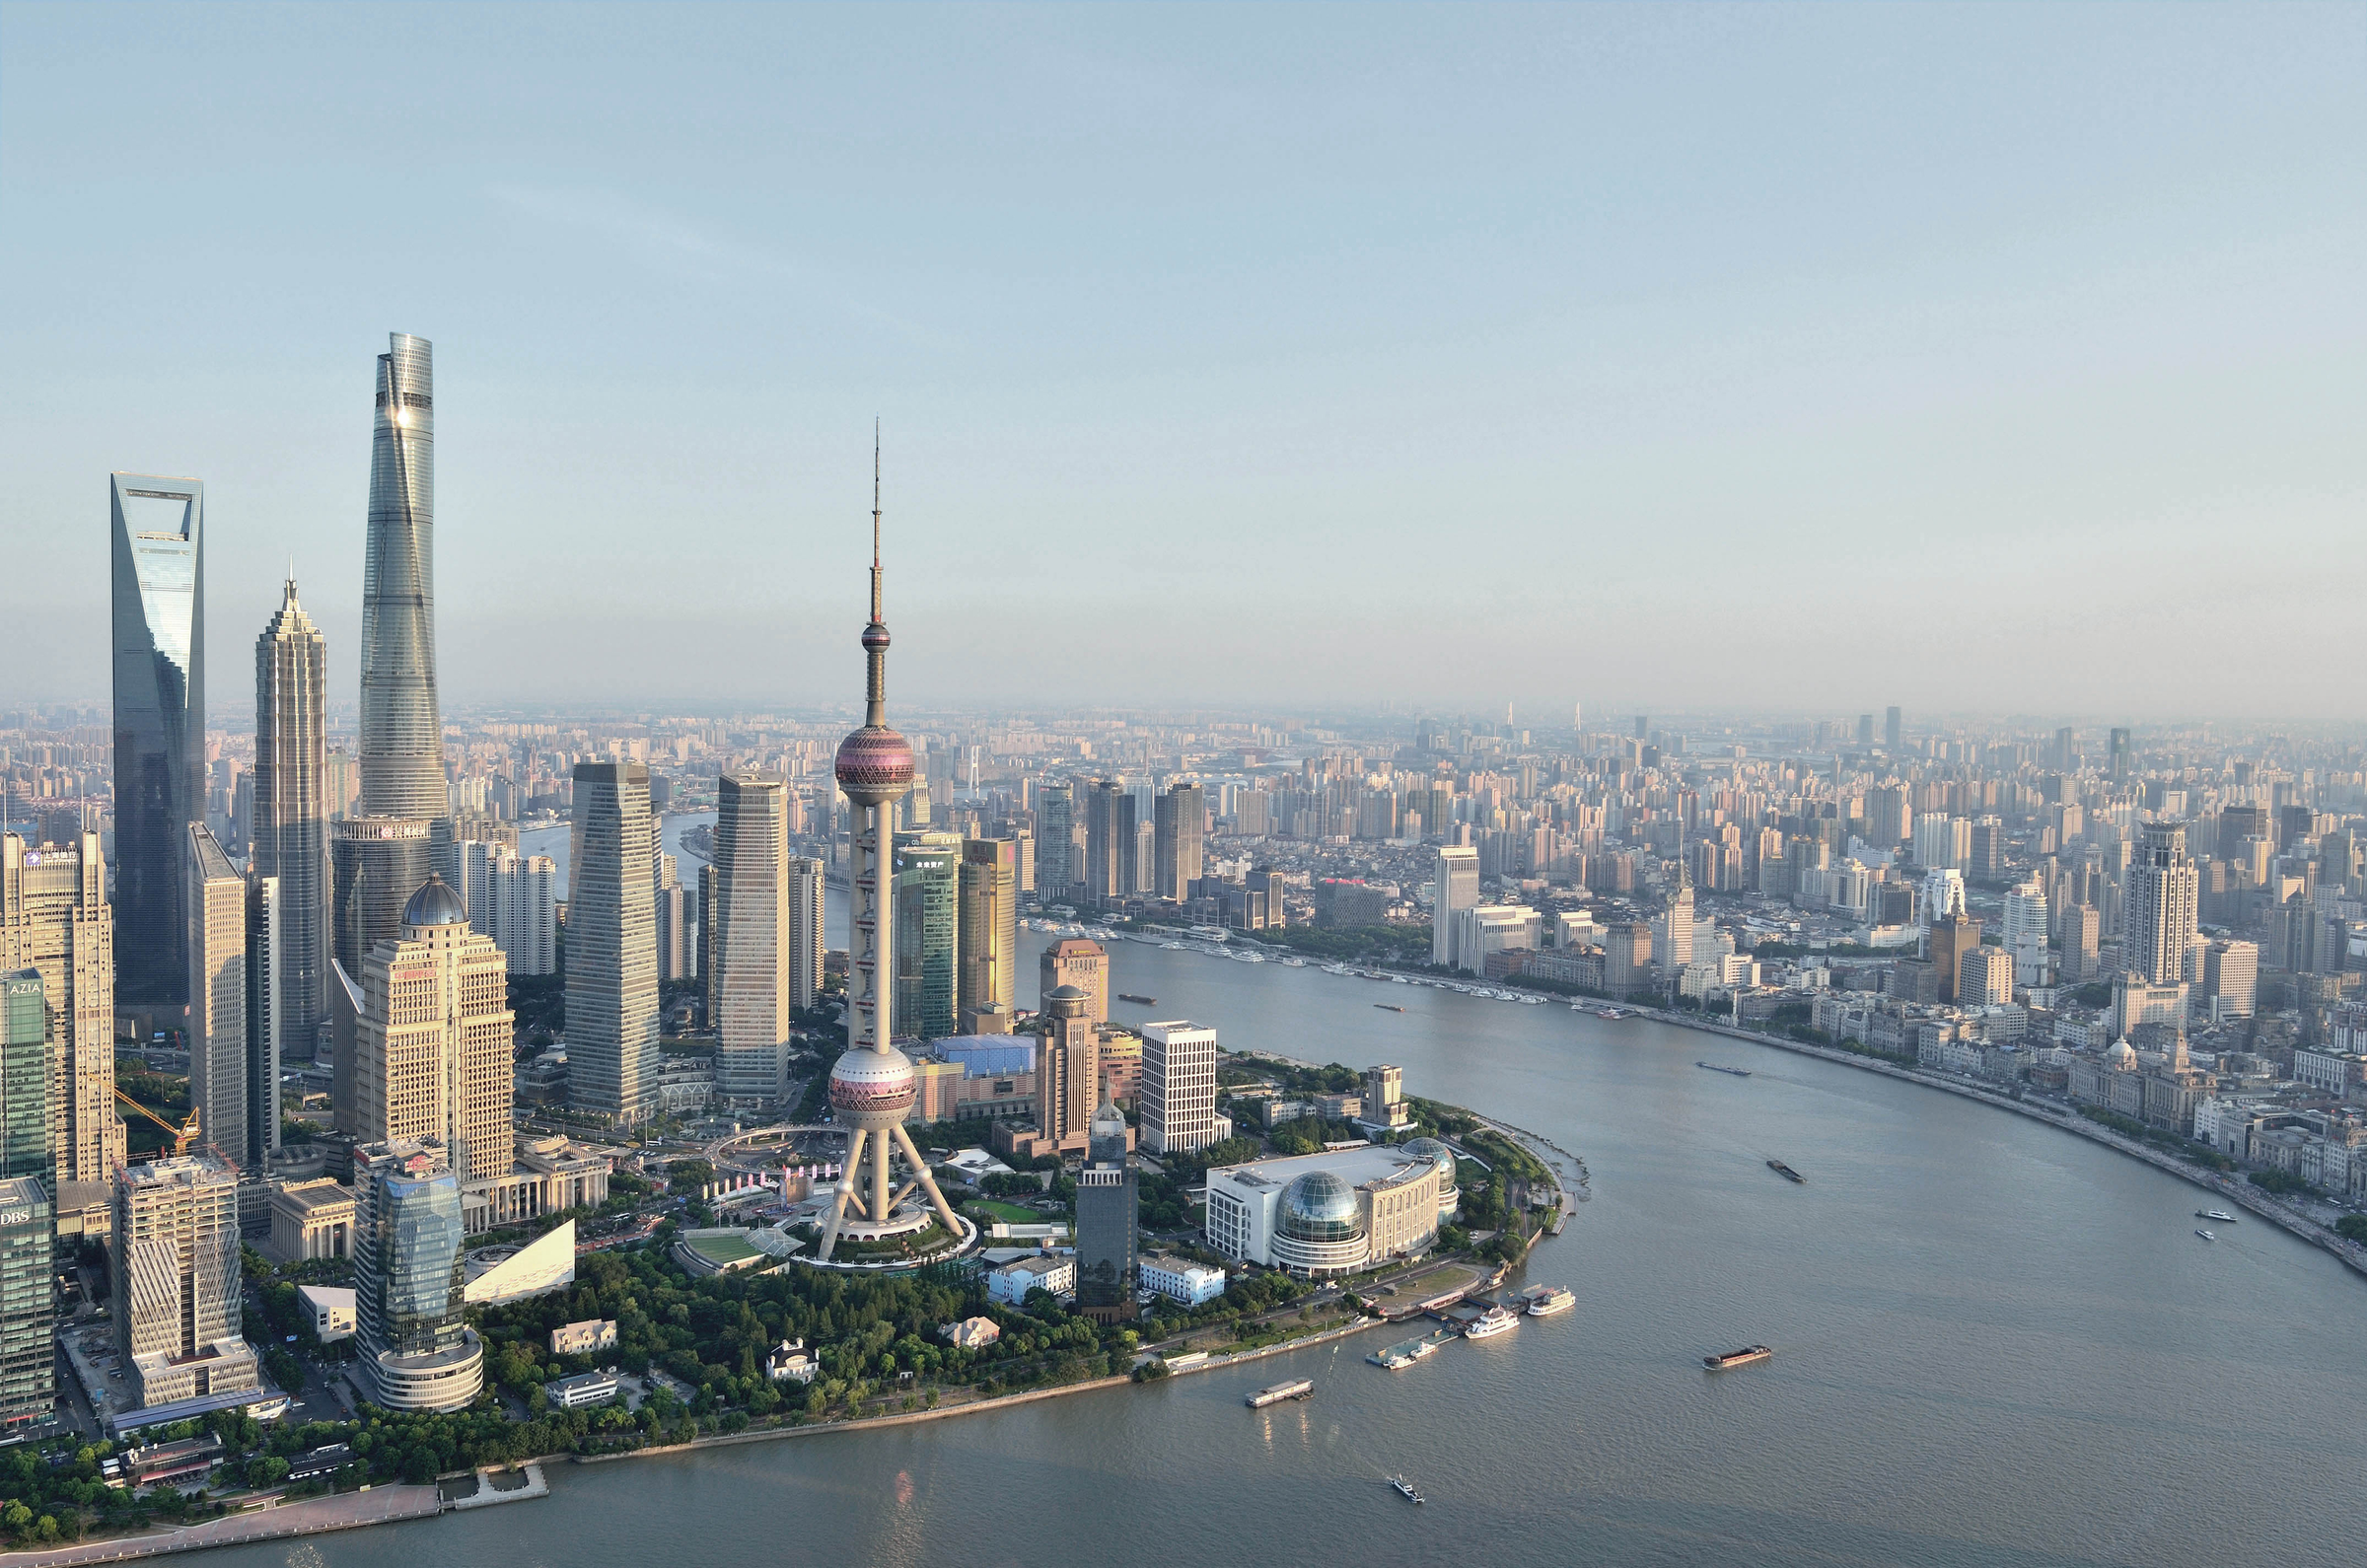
[790, 1362]
[312, 1220]
[1181, 1279]
[330, 1307]
[972, 1333]
[585, 1387]
[550, 1176]
[499, 1275]
[587, 1337]
[1054, 1272]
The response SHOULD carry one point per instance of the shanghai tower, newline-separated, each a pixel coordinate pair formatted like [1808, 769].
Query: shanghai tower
[402, 733]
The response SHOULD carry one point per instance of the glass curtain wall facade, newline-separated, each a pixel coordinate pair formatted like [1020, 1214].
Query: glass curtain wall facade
[1055, 828]
[159, 622]
[928, 869]
[28, 1303]
[290, 821]
[752, 954]
[28, 1146]
[613, 945]
[402, 729]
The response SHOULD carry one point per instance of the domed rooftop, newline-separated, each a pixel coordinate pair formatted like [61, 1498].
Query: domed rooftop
[1438, 1154]
[435, 905]
[1064, 1001]
[2121, 1055]
[1318, 1207]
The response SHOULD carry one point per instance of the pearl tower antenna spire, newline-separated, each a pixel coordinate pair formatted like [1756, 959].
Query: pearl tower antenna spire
[872, 1086]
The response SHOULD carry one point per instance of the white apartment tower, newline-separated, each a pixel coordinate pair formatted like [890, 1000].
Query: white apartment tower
[1454, 886]
[1176, 1100]
[2162, 892]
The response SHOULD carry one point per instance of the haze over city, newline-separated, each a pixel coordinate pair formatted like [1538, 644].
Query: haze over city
[1681, 358]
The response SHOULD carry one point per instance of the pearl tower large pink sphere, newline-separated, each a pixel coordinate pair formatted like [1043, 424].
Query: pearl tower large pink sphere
[875, 766]
[872, 1089]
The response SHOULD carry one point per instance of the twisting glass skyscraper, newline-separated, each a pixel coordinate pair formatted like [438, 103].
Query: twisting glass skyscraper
[159, 528]
[402, 734]
[291, 811]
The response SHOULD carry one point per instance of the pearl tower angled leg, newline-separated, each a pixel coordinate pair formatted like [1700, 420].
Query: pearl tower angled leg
[928, 1183]
[846, 1193]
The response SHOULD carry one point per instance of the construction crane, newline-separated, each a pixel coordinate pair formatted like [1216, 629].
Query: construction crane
[183, 1136]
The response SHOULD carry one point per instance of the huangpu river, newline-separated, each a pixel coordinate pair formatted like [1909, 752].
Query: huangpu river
[1995, 1344]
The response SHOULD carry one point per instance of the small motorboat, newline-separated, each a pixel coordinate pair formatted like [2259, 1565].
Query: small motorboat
[1405, 1488]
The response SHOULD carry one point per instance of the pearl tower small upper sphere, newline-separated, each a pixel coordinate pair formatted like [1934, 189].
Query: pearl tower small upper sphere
[875, 766]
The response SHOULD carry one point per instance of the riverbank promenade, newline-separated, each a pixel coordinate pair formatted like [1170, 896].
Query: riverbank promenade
[381, 1505]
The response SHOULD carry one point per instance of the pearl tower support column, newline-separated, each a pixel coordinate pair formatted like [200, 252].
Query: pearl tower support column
[871, 1087]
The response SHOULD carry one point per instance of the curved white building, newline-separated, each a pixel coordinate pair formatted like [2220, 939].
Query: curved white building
[1327, 1213]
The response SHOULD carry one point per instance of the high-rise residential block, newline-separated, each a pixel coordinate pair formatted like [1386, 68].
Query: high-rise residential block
[2164, 894]
[1889, 817]
[987, 942]
[1079, 962]
[418, 1353]
[432, 1054]
[1176, 1100]
[26, 1149]
[54, 919]
[928, 926]
[28, 1303]
[611, 945]
[177, 1306]
[1985, 977]
[158, 616]
[289, 829]
[752, 954]
[1109, 1220]
[1453, 887]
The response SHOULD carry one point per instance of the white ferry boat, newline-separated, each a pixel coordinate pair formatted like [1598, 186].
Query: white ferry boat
[1545, 1301]
[1491, 1322]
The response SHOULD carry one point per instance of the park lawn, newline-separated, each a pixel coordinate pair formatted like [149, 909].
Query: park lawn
[1008, 1213]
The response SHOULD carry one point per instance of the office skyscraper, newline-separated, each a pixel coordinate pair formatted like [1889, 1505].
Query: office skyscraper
[1177, 1098]
[2163, 895]
[1079, 962]
[218, 1026]
[2120, 760]
[432, 1041]
[987, 942]
[806, 934]
[158, 595]
[873, 1086]
[408, 1285]
[1892, 728]
[177, 1306]
[1108, 1216]
[289, 830]
[401, 726]
[1180, 816]
[28, 1303]
[928, 926]
[753, 951]
[1068, 1066]
[26, 1149]
[611, 945]
[1454, 887]
[1055, 826]
[54, 920]
[1108, 842]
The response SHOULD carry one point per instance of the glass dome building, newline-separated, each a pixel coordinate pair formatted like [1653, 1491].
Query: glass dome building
[1439, 1155]
[1319, 1226]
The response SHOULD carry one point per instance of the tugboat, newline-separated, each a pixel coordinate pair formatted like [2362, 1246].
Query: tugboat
[1787, 1172]
[1737, 1357]
[1405, 1488]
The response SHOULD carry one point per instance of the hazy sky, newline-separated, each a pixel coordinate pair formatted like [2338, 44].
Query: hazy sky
[1999, 357]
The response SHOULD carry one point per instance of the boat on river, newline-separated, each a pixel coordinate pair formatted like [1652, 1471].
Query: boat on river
[1389, 1007]
[1547, 1301]
[2206, 1236]
[1720, 1067]
[1405, 1488]
[1146, 1001]
[1495, 1320]
[1275, 1394]
[1737, 1357]
[2215, 1214]
[1398, 1357]
[1787, 1172]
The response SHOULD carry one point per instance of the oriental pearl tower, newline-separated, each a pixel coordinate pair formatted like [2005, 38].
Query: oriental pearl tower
[871, 1087]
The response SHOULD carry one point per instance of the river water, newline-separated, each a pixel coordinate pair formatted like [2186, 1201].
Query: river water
[1995, 1344]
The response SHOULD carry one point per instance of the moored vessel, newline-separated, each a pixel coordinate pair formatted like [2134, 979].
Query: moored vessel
[1491, 1322]
[1544, 1301]
[1275, 1394]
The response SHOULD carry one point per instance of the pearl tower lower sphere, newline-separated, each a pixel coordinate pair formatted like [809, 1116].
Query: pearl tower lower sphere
[875, 766]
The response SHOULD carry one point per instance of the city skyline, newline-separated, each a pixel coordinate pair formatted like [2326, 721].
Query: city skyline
[2024, 362]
